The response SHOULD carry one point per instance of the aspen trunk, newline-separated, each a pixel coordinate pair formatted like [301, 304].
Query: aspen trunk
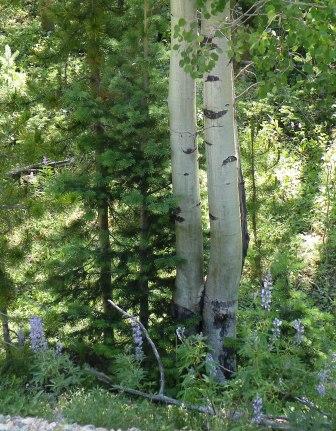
[189, 242]
[221, 292]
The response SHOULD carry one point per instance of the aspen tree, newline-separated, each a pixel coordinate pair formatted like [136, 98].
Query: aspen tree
[182, 106]
[225, 265]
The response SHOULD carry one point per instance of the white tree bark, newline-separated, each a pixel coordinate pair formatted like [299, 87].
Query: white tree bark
[221, 291]
[182, 106]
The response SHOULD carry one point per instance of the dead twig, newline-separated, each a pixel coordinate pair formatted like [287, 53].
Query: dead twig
[275, 423]
[150, 341]
[311, 405]
[244, 69]
[154, 398]
[27, 170]
[247, 90]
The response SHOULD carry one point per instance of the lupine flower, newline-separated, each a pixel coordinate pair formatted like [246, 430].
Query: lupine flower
[276, 330]
[37, 337]
[321, 387]
[298, 326]
[21, 337]
[138, 341]
[180, 332]
[59, 349]
[266, 291]
[210, 365]
[257, 406]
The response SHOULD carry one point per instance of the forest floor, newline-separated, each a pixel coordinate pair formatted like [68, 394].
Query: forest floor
[17, 423]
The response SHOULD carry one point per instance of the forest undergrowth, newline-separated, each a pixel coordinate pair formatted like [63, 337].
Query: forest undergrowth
[88, 215]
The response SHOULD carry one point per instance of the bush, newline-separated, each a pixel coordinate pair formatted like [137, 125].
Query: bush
[15, 400]
[54, 373]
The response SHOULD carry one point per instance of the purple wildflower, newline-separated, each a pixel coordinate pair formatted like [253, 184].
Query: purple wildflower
[37, 337]
[266, 291]
[321, 389]
[298, 326]
[138, 341]
[257, 406]
[59, 349]
[276, 329]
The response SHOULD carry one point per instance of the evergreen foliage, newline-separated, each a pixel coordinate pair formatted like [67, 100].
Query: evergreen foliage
[85, 83]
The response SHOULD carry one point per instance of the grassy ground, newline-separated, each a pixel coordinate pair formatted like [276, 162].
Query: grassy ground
[103, 409]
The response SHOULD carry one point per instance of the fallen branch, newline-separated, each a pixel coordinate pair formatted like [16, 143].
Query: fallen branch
[311, 405]
[150, 341]
[27, 170]
[277, 423]
[12, 207]
[154, 398]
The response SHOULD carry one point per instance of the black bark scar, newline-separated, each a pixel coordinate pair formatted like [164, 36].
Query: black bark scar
[176, 215]
[208, 143]
[212, 78]
[189, 150]
[213, 115]
[186, 174]
[229, 160]
[208, 41]
[212, 217]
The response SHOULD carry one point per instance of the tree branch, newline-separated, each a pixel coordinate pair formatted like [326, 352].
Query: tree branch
[17, 173]
[247, 90]
[244, 69]
[150, 341]
[154, 398]
[275, 423]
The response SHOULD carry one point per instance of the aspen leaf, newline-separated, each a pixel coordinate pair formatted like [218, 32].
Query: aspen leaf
[182, 22]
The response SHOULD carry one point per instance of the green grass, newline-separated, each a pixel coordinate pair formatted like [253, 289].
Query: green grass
[15, 401]
[104, 409]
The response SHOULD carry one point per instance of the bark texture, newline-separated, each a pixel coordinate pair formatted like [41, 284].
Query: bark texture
[242, 200]
[182, 107]
[221, 292]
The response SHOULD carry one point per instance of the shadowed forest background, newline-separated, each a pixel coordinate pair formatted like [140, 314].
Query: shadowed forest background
[88, 214]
